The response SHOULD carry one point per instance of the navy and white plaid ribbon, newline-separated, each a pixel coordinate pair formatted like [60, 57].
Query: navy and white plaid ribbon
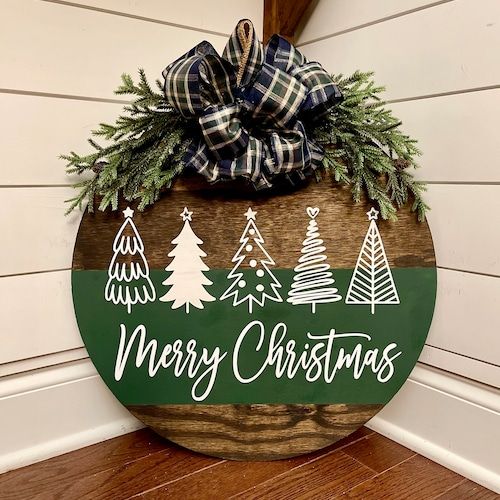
[251, 105]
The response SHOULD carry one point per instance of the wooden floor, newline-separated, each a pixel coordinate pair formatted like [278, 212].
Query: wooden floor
[365, 465]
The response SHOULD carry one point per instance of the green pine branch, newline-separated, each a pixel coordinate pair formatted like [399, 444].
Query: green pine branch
[366, 149]
[143, 156]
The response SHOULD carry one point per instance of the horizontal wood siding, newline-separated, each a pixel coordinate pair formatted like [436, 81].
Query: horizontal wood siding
[72, 51]
[440, 67]
[59, 65]
[335, 16]
[438, 63]
[443, 49]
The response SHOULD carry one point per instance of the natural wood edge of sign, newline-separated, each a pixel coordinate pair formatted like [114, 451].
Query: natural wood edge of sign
[255, 431]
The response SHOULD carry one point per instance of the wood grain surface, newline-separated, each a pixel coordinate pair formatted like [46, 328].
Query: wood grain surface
[255, 432]
[218, 219]
[142, 465]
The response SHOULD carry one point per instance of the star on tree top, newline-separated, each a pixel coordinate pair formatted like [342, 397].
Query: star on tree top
[372, 214]
[250, 214]
[128, 212]
[186, 214]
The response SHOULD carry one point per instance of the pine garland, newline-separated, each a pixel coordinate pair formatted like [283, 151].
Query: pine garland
[144, 156]
[364, 148]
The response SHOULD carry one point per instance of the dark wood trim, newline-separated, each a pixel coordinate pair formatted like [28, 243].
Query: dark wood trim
[283, 17]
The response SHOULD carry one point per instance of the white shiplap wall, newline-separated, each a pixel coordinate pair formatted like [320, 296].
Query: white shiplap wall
[59, 64]
[439, 61]
[426, 53]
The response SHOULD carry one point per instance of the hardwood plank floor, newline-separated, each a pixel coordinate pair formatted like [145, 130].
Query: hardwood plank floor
[417, 478]
[469, 490]
[142, 465]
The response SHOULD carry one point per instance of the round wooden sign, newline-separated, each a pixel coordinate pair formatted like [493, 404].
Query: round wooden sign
[249, 326]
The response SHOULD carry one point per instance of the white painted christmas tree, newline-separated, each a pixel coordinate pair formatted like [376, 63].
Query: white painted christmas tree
[313, 280]
[252, 254]
[187, 281]
[372, 282]
[128, 273]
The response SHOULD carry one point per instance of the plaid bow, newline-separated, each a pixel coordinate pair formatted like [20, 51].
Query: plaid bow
[251, 105]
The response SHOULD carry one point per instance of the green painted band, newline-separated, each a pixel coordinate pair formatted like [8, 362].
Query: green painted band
[281, 353]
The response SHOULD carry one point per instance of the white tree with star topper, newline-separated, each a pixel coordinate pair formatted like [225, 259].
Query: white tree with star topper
[187, 281]
[252, 254]
[128, 272]
[372, 282]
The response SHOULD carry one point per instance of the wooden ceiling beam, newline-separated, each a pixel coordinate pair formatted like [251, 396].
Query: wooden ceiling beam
[283, 17]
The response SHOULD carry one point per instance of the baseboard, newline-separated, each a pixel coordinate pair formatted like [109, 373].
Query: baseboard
[48, 412]
[451, 420]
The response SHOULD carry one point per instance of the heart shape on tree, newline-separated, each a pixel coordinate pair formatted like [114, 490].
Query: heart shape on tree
[312, 212]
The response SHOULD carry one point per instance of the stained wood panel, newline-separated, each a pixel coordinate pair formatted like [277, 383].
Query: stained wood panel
[255, 432]
[32, 325]
[416, 250]
[56, 50]
[441, 61]
[457, 135]
[460, 242]
[42, 128]
[329, 17]
[199, 14]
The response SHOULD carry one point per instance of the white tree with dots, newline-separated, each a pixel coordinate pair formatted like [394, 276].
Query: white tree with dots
[252, 254]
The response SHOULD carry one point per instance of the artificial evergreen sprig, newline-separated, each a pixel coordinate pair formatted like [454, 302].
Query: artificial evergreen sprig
[144, 154]
[365, 148]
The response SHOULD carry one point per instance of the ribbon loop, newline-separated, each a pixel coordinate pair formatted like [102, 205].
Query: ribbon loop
[276, 97]
[281, 54]
[223, 132]
[250, 105]
[322, 93]
[244, 51]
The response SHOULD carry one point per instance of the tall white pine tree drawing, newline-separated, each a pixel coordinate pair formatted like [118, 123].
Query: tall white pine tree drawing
[372, 282]
[313, 278]
[252, 254]
[128, 273]
[187, 281]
